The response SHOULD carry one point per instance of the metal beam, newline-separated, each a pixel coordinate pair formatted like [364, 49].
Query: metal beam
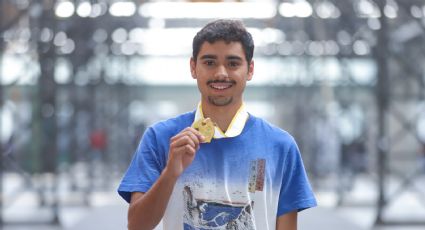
[45, 111]
[1, 106]
[382, 98]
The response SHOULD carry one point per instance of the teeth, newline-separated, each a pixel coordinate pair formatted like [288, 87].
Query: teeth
[220, 86]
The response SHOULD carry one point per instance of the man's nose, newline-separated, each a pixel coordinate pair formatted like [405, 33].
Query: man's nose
[221, 72]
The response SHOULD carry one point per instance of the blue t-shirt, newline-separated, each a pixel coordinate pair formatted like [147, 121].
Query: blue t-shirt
[244, 181]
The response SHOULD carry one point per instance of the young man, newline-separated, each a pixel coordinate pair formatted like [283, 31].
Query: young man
[250, 176]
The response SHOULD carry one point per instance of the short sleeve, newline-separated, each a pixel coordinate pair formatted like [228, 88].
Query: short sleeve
[295, 193]
[144, 169]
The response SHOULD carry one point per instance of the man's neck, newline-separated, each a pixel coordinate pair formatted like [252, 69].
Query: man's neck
[221, 115]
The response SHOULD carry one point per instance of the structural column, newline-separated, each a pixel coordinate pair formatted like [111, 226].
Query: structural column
[1, 106]
[382, 98]
[45, 109]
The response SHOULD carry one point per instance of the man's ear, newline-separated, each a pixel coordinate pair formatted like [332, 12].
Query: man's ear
[192, 67]
[250, 70]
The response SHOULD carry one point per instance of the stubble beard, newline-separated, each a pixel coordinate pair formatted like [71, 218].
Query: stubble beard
[220, 101]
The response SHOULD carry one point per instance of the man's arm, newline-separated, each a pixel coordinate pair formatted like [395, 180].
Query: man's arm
[287, 221]
[147, 209]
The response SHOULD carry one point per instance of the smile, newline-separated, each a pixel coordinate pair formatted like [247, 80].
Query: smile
[221, 85]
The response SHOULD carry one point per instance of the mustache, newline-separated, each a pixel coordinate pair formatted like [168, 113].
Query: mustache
[221, 81]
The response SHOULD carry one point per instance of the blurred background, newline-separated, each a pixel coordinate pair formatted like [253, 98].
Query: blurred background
[80, 80]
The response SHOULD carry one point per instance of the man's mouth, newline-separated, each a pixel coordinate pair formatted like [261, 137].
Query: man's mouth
[221, 85]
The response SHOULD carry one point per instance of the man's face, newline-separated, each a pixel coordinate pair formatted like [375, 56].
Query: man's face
[221, 71]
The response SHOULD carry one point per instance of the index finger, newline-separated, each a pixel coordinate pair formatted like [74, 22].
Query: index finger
[198, 135]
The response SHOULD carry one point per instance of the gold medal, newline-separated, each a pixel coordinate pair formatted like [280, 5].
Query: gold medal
[206, 128]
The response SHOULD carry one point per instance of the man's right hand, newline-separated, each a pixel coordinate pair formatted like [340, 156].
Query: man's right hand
[183, 148]
[147, 209]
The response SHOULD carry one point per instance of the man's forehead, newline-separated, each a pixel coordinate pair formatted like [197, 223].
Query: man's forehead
[216, 48]
[221, 42]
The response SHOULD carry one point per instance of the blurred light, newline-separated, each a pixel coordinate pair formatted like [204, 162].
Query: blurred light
[269, 49]
[21, 47]
[84, 9]
[272, 35]
[374, 23]
[46, 34]
[287, 9]
[361, 47]
[156, 23]
[331, 47]
[350, 123]
[119, 35]
[24, 35]
[207, 10]
[298, 48]
[68, 47]
[116, 49]
[263, 37]
[12, 69]
[300, 9]
[315, 48]
[62, 71]
[343, 37]
[60, 39]
[366, 8]
[390, 11]
[98, 9]
[420, 126]
[6, 121]
[416, 12]
[81, 78]
[136, 34]
[18, 69]
[8, 36]
[35, 10]
[363, 71]
[128, 48]
[64, 9]
[327, 9]
[100, 35]
[122, 9]
[156, 41]
[331, 69]
[285, 48]
[303, 9]
[137, 112]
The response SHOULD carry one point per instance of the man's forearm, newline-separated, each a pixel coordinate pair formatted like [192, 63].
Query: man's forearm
[287, 221]
[147, 210]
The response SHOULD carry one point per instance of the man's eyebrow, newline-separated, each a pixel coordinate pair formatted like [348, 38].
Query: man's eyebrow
[208, 56]
[230, 57]
[234, 57]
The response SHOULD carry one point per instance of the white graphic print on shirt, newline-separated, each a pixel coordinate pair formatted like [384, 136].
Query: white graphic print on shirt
[200, 214]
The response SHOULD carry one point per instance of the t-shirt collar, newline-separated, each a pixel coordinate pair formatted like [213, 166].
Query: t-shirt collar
[236, 125]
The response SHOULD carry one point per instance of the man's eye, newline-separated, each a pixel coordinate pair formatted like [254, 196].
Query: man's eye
[209, 62]
[234, 64]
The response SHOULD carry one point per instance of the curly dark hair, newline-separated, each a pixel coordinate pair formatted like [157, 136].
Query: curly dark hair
[228, 30]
